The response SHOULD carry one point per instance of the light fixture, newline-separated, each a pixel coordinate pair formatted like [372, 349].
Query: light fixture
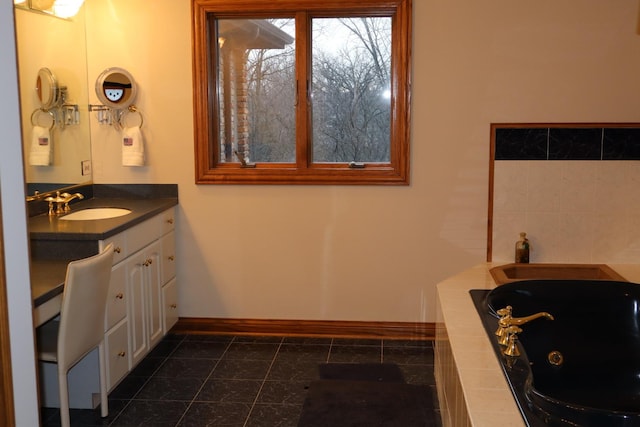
[60, 8]
[67, 8]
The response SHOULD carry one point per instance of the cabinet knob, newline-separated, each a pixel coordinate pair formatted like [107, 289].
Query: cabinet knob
[170, 221]
[171, 257]
[148, 262]
[117, 249]
[174, 306]
[122, 354]
[120, 296]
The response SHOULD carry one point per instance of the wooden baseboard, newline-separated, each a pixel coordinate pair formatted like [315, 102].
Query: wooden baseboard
[309, 328]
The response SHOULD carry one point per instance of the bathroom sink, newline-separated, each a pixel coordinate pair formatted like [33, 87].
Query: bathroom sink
[513, 272]
[95, 213]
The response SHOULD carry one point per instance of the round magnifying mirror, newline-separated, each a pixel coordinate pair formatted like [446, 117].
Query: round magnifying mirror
[116, 88]
[47, 89]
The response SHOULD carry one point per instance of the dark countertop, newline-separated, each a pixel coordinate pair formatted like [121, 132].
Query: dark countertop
[45, 227]
[47, 279]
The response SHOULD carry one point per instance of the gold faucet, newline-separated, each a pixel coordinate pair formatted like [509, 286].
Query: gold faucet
[61, 202]
[508, 329]
[523, 320]
[36, 196]
[69, 197]
[512, 337]
[503, 324]
[57, 200]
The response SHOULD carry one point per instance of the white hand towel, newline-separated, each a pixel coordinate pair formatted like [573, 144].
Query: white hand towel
[41, 150]
[132, 147]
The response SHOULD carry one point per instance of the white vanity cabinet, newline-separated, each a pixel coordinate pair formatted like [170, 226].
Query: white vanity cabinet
[136, 313]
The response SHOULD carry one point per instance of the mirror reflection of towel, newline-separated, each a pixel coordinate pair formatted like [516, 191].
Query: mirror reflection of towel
[41, 150]
[132, 147]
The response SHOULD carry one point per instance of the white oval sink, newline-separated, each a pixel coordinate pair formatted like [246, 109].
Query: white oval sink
[96, 213]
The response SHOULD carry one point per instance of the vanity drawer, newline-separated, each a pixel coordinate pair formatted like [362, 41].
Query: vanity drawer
[168, 220]
[119, 247]
[117, 349]
[168, 257]
[116, 299]
[142, 234]
[169, 305]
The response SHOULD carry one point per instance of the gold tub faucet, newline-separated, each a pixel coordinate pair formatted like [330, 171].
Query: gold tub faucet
[523, 320]
[508, 329]
[503, 324]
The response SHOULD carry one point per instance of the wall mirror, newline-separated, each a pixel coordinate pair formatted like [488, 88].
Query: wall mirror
[116, 88]
[52, 52]
[47, 89]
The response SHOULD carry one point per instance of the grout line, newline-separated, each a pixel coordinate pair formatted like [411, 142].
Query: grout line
[262, 384]
[204, 382]
[330, 348]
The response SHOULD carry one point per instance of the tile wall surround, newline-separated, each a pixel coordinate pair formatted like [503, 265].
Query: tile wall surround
[575, 191]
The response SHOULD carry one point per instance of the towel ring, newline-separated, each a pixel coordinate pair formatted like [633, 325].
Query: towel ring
[131, 109]
[36, 113]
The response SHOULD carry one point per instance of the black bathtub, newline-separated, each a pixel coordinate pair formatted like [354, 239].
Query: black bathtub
[583, 367]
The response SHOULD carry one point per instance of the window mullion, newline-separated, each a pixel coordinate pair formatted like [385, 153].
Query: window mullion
[303, 78]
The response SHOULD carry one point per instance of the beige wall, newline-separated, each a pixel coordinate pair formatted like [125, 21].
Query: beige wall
[365, 253]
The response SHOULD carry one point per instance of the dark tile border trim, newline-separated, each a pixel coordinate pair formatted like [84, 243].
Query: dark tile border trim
[584, 141]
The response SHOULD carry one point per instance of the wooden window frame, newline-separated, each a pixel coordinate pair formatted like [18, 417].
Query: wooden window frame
[209, 171]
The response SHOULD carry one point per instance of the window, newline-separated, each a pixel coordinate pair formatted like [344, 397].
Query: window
[301, 91]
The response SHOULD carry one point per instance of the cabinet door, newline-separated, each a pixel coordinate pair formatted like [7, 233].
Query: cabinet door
[170, 305]
[153, 277]
[137, 308]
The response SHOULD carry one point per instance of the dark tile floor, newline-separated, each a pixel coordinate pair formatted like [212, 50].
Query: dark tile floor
[256, 381]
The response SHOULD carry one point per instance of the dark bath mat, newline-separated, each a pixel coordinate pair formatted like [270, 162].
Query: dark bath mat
[384, 372]
[366, 395]
[336, 403]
